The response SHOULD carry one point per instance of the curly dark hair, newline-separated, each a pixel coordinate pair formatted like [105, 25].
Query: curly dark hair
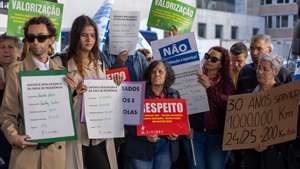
[40, 20]
[225, 61]
[74, 41]
[170, 75]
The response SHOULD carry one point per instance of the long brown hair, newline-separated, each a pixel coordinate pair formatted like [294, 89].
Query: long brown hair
[74, 44]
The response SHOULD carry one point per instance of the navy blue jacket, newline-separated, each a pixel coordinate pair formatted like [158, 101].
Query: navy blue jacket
[139, 147]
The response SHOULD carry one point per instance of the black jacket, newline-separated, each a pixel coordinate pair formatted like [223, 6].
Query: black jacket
[247, 78]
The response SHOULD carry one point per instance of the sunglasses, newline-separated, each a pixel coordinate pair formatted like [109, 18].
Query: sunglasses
[40, 38]
[212, 59]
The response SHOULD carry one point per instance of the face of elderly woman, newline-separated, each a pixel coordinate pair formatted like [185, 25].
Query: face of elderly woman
[265, 73]
[158, 75]
[8, 52]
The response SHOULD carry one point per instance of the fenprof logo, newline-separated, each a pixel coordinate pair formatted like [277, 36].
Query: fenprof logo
[179, 53]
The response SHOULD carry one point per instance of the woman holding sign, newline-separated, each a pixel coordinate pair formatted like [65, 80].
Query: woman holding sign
[84, 61]
[153, 152]
[207, 127]
[279, 156]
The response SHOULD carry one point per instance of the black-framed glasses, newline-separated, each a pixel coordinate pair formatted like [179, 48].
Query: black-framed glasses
[210, 58]
[41, 38]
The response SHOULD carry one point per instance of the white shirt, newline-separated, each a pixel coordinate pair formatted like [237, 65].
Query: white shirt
[41, 65]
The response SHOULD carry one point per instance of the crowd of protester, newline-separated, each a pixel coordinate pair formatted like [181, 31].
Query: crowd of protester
[224, 73]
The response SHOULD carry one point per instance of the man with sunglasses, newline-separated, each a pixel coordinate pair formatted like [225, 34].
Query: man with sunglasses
[261, 44]
[39, 32]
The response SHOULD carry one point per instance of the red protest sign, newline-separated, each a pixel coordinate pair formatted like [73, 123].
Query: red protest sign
[164, 117]
[118, 71]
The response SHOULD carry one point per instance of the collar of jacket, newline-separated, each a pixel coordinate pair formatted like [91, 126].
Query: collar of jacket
[30, 65]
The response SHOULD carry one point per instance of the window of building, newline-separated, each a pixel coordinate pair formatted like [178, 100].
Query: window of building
[268, 21]
[268, 1]
[202, 30]
[278, 21]
[234, 32]
[219, 32]
[295, 19]
[262, 2]
[279, 1]
[284, 21]
[255, 31]
[286, 1]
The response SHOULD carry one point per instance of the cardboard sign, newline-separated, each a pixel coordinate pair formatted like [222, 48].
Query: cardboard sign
[167, 13]
[20, 11]
[164, 117]
[263, 118]
[118, 71]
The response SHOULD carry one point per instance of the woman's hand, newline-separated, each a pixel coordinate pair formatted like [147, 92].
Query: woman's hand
[21, 141]
[79, 88]
[122, 57]
[71, 82]
[173, 137]
[204, 80]
[260, 148]
[152, 139]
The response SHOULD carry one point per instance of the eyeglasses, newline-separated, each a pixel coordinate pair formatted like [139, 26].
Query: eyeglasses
[41, 38]
[212, 59]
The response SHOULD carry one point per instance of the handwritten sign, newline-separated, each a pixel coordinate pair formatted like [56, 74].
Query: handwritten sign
[47, 106]
[102, 104]
[178, 51]
[262, 119]
[164, 117]
[187, 84]
[133, 94]
[123, 72]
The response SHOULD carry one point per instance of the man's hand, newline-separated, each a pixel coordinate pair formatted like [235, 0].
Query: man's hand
[122, 57]
[21, 141]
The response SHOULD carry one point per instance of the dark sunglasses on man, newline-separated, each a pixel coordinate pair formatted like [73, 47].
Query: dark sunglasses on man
[41, 38]
[210, 58]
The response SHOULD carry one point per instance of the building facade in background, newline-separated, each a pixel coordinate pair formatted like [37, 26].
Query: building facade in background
[238, 20]
[224, 22]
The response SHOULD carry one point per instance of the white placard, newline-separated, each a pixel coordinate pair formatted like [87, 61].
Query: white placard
[103, 113]
[123, 31]
[190, 89]
[46, 107]
[178, 51]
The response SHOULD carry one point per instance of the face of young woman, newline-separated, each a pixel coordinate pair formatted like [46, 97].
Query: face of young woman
[87, 38]
[158, 75]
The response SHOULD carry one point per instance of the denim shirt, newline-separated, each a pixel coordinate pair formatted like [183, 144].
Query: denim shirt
[137, 64]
